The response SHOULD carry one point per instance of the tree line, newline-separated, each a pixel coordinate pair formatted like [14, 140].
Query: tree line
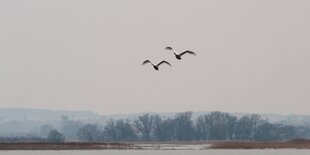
[181, 127]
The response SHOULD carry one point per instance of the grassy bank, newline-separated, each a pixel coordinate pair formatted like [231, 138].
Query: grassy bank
[296, 144]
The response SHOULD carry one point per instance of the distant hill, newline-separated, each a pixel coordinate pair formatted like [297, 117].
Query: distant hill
[24, 114]
[18, 114]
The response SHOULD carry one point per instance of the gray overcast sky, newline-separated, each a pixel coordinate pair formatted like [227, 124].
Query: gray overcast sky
[252, 55]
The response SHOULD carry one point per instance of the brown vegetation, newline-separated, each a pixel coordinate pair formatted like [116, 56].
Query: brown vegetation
[296, 143]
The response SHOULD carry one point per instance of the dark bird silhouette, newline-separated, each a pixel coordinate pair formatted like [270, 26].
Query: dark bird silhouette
[179, 56]
[156, 67]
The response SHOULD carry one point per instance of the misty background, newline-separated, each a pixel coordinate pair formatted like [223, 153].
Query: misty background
[18, 124]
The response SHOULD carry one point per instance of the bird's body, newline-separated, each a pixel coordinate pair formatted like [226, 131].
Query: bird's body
[179, 56]
[156, 66]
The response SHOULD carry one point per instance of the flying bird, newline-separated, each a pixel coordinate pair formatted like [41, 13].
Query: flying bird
[179, 56]
[156, 67]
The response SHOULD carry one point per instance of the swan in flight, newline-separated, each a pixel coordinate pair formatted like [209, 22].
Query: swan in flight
[156, 67]
[179, 56]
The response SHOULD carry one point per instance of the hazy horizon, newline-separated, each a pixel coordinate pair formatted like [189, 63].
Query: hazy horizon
[144, 112]
[252, 56]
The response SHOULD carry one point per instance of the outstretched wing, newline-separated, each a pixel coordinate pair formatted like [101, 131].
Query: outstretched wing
[168, 48]
[164, 62]
[146, 61]
[189, 52]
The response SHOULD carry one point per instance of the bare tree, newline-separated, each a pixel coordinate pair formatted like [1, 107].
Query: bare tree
[55, 137]
[247, 126]
[164, 129]
[124, 131]
[110, 133]
[184, 129]
[144, 124]
[89, 133]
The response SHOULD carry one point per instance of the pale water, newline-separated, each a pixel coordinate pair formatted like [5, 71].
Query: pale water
[162, 152]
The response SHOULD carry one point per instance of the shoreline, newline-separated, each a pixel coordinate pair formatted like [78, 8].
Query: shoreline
[291, 144]
[64, 146]
[205, 145]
